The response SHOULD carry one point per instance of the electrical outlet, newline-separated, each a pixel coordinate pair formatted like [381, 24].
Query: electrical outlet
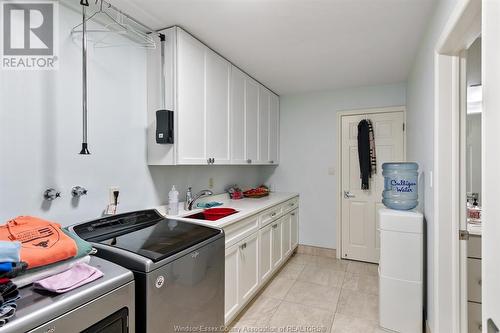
[112, 190]
[210, 182]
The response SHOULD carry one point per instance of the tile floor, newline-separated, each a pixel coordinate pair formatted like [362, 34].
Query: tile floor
[315, 293]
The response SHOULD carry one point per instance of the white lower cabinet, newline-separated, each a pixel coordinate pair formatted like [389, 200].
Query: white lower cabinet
[294, 228]
[251, 261]
[277, 254]
[286, 245]
[266, 244]
[241, 274]
[231, 299]
[249, 267]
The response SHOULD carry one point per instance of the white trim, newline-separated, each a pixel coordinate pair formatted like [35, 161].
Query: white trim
[462, 28]
[338, 194]
[461, 287]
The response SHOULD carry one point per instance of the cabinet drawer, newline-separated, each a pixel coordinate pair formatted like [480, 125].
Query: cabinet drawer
[290, 205]
[474, 247]
[239, 230]
[474, 312]
[474, 280]
[270, 215]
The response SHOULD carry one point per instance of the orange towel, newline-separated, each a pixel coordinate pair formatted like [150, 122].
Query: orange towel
[42, 242]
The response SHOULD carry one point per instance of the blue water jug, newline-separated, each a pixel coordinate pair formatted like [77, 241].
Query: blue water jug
[400, 185]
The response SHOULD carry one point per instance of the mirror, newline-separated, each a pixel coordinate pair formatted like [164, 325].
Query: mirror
[473, 132]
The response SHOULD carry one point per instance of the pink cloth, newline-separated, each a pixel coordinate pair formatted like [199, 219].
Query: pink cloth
[76, 276]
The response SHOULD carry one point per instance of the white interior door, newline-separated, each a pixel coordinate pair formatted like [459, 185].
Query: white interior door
[360, 238]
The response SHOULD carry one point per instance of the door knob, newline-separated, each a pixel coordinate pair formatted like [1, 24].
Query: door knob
[348, 195]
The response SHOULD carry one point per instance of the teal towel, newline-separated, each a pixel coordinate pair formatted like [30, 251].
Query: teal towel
[10, 251]
[83, 248]
[209, 204]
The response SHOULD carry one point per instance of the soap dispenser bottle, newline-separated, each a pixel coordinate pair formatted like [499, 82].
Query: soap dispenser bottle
[173, 201]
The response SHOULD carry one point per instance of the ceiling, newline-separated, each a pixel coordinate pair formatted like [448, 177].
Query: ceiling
[295, 46]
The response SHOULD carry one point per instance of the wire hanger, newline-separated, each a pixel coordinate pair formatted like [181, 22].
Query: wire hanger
[115, 27]
[141, 39]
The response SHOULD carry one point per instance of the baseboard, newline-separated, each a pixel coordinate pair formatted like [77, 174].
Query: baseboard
[317, 251]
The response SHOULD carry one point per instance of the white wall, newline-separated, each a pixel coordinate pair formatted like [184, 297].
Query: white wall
[420, 132]
[308, 149]
[40, 133]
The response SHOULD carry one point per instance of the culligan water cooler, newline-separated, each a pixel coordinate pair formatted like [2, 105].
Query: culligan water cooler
[401, 270]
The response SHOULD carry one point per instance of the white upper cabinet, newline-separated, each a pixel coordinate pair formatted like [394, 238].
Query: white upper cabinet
[264, 97]
[238, 81]
[217, 72]
[251, 120]
[190, 100]
[274, 130]
[221, 115]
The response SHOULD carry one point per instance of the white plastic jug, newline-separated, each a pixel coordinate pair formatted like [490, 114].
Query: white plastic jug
[400, 185]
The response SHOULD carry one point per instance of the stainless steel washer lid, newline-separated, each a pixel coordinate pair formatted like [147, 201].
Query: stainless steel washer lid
[144, 240]
[35, 309]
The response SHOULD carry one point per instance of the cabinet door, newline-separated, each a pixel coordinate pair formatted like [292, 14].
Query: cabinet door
[217, 71]
[277, 255]
[263, 151]
[237, 116]
[274, 135]
[265, 256]
[231, 298]
[190, 100]
[251, 120]
[249, 267]
[285, 235]
[294, 229]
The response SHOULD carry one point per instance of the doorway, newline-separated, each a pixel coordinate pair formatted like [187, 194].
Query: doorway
[457, 172]
[470, 188]
[357, 231]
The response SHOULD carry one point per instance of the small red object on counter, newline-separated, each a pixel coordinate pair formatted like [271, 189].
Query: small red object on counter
[213, 214]
[258, 192]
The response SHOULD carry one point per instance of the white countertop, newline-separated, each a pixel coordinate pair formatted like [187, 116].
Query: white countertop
[246, 207]
[475, 229]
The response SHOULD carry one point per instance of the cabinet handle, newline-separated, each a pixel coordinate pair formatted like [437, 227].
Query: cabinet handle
[292, 204]
[249, 161]
[208, 160]
[275, 226]
[272, 162]
[273, 214]
[243, 246]
[293, 214]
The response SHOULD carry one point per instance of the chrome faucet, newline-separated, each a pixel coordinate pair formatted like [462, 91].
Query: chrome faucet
[190, 198]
